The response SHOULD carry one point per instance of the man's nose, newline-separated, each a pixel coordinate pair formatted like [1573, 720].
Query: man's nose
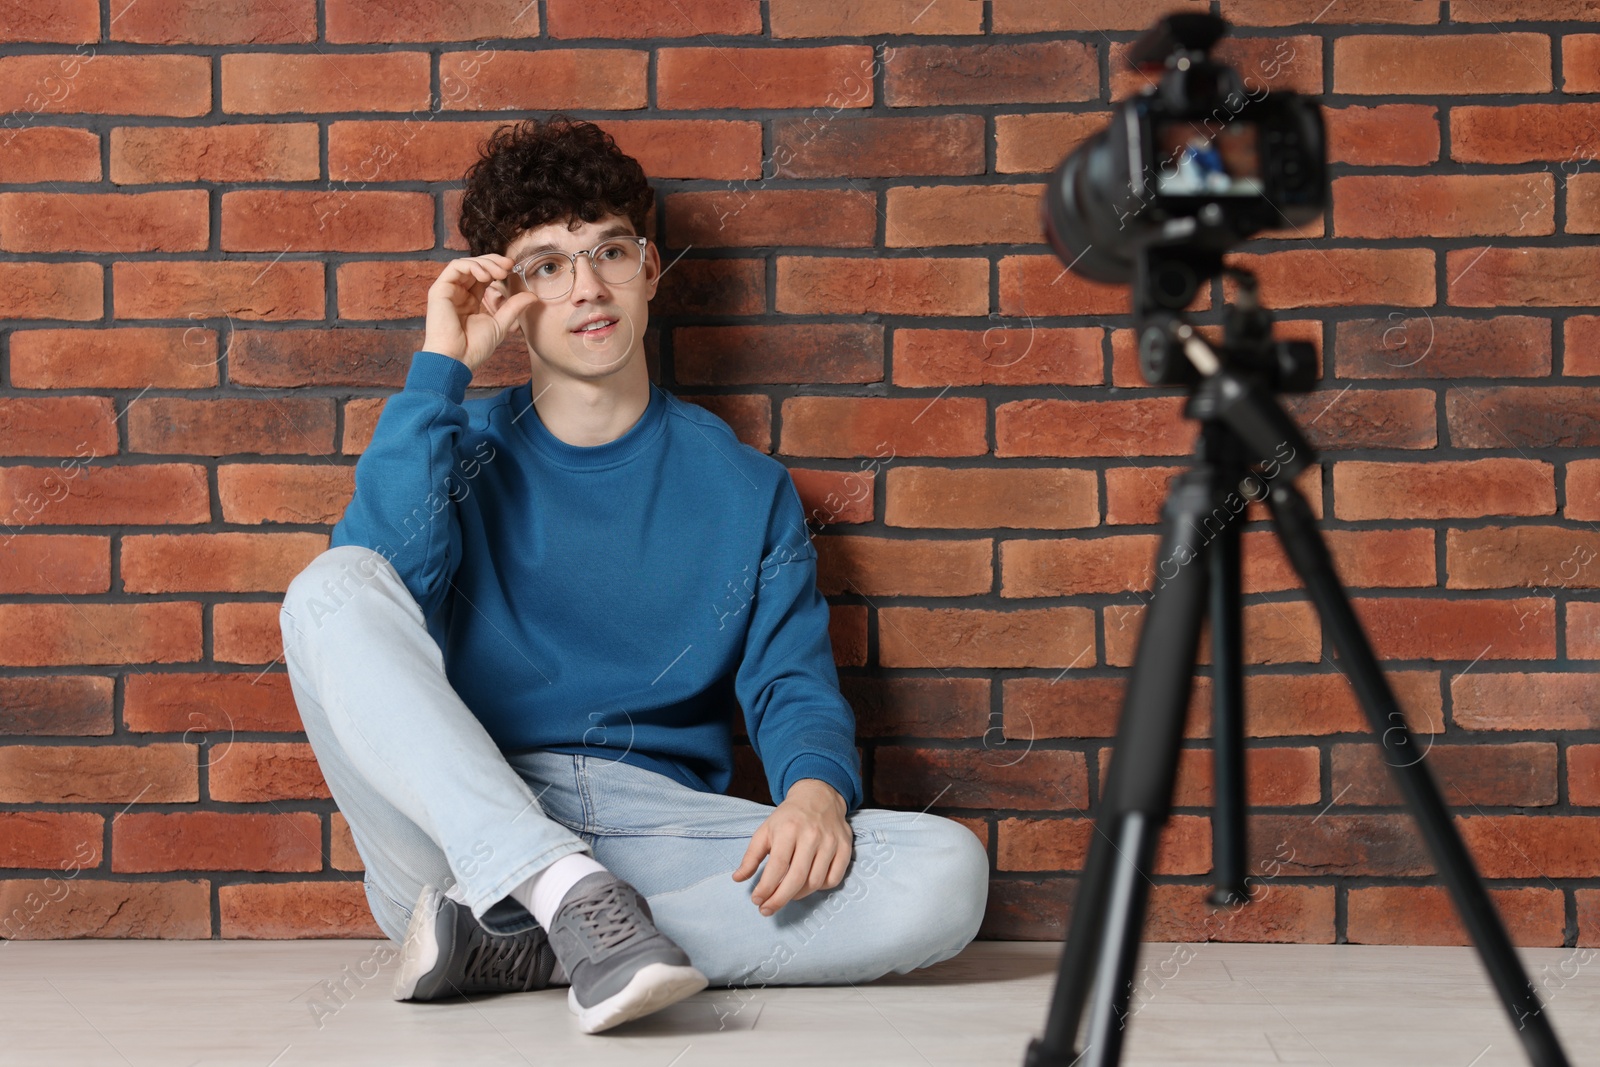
[587, 282]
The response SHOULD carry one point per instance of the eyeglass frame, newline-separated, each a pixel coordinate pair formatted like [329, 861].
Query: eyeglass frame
[572, 264]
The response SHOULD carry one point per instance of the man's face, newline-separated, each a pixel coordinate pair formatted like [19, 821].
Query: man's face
[552, 326]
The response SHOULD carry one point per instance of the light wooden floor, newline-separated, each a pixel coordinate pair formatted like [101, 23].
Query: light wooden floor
[256, 1003]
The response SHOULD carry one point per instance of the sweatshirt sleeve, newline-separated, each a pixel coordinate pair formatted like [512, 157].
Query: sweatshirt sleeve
[403, 505]
[799, 724]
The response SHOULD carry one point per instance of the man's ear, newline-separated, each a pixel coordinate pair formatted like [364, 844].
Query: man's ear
[652, 269]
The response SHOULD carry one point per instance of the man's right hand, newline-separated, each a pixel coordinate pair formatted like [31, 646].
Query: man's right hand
[471, 310]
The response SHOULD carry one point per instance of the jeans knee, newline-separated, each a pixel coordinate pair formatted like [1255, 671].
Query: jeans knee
[966, 880]
[325, 585]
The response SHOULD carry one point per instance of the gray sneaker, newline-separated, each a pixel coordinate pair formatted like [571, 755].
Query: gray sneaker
[620, 966]
[448, 953]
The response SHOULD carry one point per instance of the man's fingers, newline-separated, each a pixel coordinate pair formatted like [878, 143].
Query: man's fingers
[752, 854]
[841, 863]
[797, 870]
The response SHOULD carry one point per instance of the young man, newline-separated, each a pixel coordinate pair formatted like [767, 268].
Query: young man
[518, 661]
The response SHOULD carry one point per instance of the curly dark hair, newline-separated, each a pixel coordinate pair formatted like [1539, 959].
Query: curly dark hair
[531, 173]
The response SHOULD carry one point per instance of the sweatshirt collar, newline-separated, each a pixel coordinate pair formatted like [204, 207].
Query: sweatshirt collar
[634, 440]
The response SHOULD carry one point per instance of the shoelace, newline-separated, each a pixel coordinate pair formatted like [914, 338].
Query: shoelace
[605, 917]
[509, 961]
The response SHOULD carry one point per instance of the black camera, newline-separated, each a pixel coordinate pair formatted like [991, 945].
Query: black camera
[1186, 170]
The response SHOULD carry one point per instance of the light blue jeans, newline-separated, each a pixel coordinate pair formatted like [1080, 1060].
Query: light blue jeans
[431, 799]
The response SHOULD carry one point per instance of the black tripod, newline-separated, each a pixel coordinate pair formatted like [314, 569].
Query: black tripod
[1242, 428]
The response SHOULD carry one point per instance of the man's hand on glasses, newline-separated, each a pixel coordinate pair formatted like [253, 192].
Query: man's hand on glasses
[471, 311]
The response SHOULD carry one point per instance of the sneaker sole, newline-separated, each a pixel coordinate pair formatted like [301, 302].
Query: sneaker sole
[420, 950]
[655, 986]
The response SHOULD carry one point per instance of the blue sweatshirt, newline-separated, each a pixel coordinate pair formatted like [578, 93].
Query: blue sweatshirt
[619, 600]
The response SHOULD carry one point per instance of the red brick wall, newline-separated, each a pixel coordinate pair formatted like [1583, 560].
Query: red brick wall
[215, 239]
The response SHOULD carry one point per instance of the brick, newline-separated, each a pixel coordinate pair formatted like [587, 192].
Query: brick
[750, 417]
[1152, 426]
[1437, 346]
[52, 291]
[1031, 498]
[363, 22]
[131, 357]
[255, 771]
[192, 22]
[98, 774]
[1519, 846]
[713, 287]
[1425, 915]
[391, 289]
[1384, 559]
[1094, 16]
[172, 85]
[1583, 630]
[290, 358]
[214, 841]
[1443, 489]
[1522, 417]
[258, 220]
[1583, 775]
[801, 18]
[68, 22]
[222, 562]
[1275, 705]
[1336, 277]
[1366, 418]
[1277, 912]
[108, 495]
[80, 427]
[245, 152]
[1020, 354]
[1521, 774]
[58, 705]
[1522, 133]
[360, 420]
[1583, 489]
[170, 220]
[970, 637]
[879, 566]
[175, 425]
[1054, 844]
[1339, 844]
[1265, 63]
[69, 841]
[1431, 628]
[847, 147]
[297, 910]
[1035, 72]
[1444, 205]
[50, 153]
[860, 426]
[1477, 63]
[1386, 135]
[1580, 341]
[1035, 144]
[907, 285]
[59, 564]
[642, 18]
[691, 148]
[277, 83]
[95, 907]
[809, 352]
[847, 631]
[193, 703]
[549, 79]
[361, 151]
[896, 706]
[1276, 632]
[1583, 203]
[1275, 776]
[1580, 63]
[1523, 10]
[836, 76]
[342, 852]
[1034, 567]
[241, 289]
[821, 218]
[1526, 701]
[834, 496]
[1041, 285]
[1134, 495]
[966, 778]
[918, 216]
[246, 633]
[256, 493]
[1295, 12]
[63, 634]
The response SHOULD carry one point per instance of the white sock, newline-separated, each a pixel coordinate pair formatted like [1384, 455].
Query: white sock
[542, 893]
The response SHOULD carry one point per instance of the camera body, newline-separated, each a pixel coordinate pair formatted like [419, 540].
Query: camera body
[1187, 169]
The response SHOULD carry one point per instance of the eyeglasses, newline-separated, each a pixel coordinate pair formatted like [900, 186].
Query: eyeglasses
[551, 275]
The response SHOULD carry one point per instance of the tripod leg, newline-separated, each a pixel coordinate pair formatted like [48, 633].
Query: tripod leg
[1108, 916]
[1227, 719]
[1309, 553]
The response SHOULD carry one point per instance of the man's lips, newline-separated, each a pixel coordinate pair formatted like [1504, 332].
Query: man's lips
[600, 330]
